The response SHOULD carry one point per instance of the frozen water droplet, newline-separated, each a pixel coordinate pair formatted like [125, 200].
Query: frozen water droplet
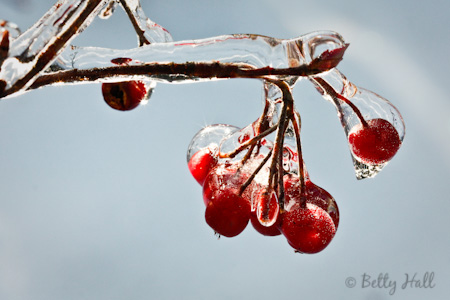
[209, 136]
[267, 207]
[363, 171]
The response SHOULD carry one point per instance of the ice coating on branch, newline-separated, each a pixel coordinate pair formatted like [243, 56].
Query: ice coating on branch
[40, 46]
[148, 32]
[55, 22]
[37, 47]
[153, 32]
[318, 43]
[44, 41]
[13, 29]
[252, 51]
[257, 52]
[108, 10]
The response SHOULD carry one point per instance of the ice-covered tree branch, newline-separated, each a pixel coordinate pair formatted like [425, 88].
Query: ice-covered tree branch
[37, 58]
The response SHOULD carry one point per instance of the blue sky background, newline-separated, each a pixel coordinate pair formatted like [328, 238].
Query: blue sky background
[99, 204]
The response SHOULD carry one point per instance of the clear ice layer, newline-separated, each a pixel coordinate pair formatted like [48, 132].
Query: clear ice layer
[363, 171]
[367, 104]
[209, 136]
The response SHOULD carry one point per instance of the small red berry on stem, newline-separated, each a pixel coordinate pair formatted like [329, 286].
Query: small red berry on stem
[307, 229]
[375, 143]
[312, 193]
[227, 211]
[201, 163]
[124, 95]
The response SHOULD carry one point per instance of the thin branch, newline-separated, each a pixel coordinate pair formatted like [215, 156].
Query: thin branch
[139, 31]
[168, 72]
[53, 46]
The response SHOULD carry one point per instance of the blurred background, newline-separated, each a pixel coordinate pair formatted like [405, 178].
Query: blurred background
[99, 204]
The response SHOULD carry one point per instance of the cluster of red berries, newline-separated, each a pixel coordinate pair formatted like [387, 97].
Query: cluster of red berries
[239, 191]
[308, 217]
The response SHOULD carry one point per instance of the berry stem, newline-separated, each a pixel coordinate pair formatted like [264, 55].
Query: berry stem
[328, 89]
[301, 170]
[276, 168]
[248, 143]
[255, 172]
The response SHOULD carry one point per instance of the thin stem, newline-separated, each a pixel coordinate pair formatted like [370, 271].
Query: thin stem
[262, 124]
[276, 168]
[249, 153]
[300, 159]
[327, 88]
[245, 145]
[255, 172]
[140, 33]
[281, 174]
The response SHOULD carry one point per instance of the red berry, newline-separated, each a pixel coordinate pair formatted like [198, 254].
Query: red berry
[201, 164]
[224, 176]
[272, 230]
[313, 194]
[376, 143]
[125, 95]
[307, 229]
[227, 212]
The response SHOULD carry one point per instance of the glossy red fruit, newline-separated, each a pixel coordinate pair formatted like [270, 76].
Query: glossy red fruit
[223, 176]
[201, 164]
[376, 143]
[227, 212]
[313, 194]
[124, 95]
[308, 229]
